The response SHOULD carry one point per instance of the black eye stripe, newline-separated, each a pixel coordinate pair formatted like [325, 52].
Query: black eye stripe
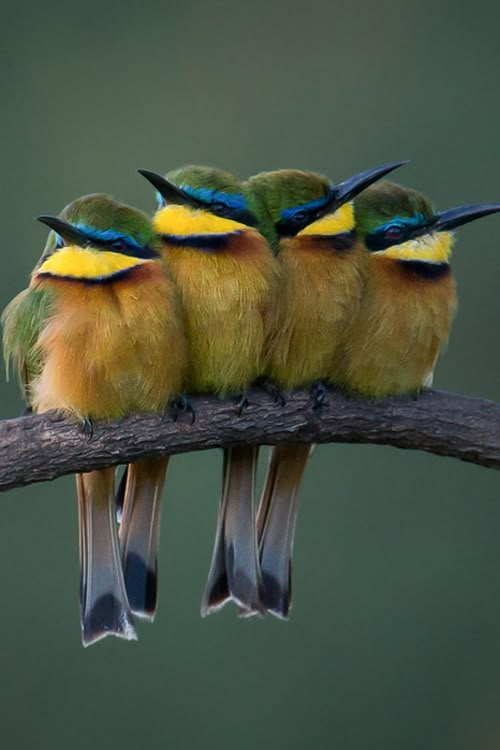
[125, 248]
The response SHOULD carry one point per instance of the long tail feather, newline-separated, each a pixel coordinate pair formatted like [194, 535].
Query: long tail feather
[276, 520]
[234, 571]
[217, 588]
[103, 600]
[120, 495]
[140, 534]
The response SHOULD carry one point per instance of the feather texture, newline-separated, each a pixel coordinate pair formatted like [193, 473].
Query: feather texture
[110, 349]
[140, 533]
[98, 335]
[403, 323]
[225, 288]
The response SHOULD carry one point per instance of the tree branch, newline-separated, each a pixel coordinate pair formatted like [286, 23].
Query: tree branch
[42, 447]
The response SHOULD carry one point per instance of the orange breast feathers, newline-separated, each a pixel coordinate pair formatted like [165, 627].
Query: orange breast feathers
[111, 348]
[320, 293]
[224, 295]
[403, 323]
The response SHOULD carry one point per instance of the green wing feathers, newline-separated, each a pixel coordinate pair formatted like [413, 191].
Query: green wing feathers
[22, 321]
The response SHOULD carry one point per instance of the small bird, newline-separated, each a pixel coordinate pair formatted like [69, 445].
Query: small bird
[322, 261]
[409, 299]
[227, 276]
[91, 337]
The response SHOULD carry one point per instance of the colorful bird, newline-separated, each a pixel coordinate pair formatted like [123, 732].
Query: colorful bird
[92, 337]
[226, 275]
[409, 298]
[323, 266]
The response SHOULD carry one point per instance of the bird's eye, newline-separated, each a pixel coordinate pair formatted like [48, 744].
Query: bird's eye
[119, 245]
[219, 208]
[299, 217]
[394, 233]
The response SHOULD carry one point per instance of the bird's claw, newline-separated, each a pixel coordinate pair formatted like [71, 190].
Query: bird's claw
[241, 404]
[275, 392]
[318, 392]
[87, 428]
[182, 405]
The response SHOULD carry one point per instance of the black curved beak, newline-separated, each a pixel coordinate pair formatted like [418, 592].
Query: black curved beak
[68, 232]
[456, 217]
[170, 192]
[352, 186]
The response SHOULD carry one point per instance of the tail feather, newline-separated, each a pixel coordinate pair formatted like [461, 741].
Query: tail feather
[120, 495]
[276, 521]
[234, 571]
[217, 588]
[140, 533]
[103, 600]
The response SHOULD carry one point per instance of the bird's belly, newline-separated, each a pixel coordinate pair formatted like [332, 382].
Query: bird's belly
[223, 298]
[307, 324]
[397, 337]
[110, 350]
[225, 346]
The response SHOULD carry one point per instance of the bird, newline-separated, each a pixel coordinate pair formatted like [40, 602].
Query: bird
[409, 300]
[310, 223]
[226, 275]
[91, 337]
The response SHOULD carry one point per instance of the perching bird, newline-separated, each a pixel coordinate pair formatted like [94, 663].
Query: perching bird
[409, 298]
[226, 275]
[92, 337]
[312, 226]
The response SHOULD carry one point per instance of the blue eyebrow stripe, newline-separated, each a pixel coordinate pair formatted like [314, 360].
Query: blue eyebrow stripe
[208, 195]
[288, 213]
[107, 235]
[416, 220]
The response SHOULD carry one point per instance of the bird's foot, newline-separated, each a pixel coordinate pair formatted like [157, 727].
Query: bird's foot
[242, 403]
[318, 392]
[275, 392]
[87, 427]
[182, 405]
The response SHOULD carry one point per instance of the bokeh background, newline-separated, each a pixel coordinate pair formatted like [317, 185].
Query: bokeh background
[395, 635]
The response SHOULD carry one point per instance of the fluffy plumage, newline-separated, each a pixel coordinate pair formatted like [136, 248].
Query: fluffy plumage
[225, 289]
[105, 345]
[407, 310]
[224, 295]
[98, 335]
[323, 270]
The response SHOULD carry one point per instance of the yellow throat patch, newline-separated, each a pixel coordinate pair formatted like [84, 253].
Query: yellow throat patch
[75, 262]
[337, 223]
[433, 248]
[182, 221]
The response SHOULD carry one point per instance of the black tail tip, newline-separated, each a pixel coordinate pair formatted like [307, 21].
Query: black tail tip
[246, 590]
[141, 583]
[276, 598]
[107, 617]
[215, 597]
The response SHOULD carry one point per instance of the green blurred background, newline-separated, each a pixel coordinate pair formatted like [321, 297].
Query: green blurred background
[394, 640]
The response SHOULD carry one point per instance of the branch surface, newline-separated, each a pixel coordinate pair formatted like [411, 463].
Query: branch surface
[42, 447]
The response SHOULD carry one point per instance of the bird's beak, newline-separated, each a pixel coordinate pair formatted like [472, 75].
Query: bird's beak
[68, 232]
[348, 189]
[170, 192]
[447, 220]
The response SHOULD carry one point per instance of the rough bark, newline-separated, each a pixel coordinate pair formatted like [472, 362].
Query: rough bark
[39, 448]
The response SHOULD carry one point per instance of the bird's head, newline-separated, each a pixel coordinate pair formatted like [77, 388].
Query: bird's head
[200, 204]
[305, 203]
[95, 238]
[401, 223]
